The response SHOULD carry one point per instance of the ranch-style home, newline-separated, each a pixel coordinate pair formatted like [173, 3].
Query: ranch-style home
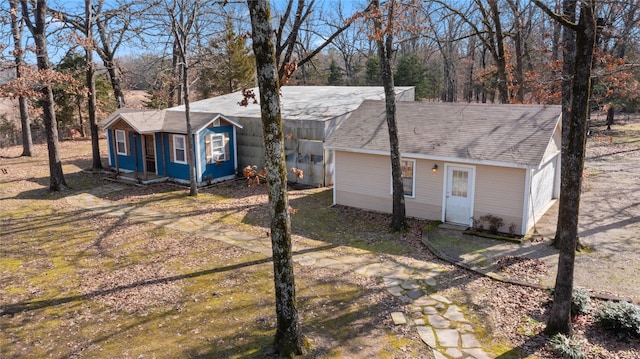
[152, 145]
[310, 114]
[459, 161]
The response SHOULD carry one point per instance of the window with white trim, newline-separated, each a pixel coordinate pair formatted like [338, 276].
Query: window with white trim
[179, 149]
[408, 177]
[121, 142]
[217, 148]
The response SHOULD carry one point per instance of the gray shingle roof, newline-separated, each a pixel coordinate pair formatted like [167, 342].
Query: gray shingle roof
[150, 121]
[510, 134]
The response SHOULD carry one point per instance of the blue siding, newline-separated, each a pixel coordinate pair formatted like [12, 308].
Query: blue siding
[217, 170]
[174, 170]
[125, 162]
[112, 162]
[164, 167]
[161, 156]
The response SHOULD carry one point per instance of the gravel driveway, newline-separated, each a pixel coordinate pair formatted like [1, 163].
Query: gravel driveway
[609, 225]
[609, 216]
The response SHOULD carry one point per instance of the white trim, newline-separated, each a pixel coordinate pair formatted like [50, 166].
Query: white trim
[469, 161]
[110, 146]
[211, 146]
[197, 159]
[124, 138]
[235, 150]
[175, 148]
[155, 152]
[472, 189]
[217, 118]
[413, 178]
[333, 175]
[556, 180]
[527, 197]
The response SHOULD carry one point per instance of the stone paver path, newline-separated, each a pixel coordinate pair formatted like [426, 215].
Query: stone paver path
[439, 322]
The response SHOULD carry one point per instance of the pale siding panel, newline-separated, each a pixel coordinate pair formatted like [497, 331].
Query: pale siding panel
[499, 191]
[428, 201]
[362, 173]
[368, 202]
[364, 181]
[554, 145]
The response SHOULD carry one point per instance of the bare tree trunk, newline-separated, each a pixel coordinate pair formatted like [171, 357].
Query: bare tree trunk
[38, 30]
[80, 117]
[469, 87]
[289, 340]
[193, 188]
[518, 75]
[501, 64]
[107, 55]
[96, 162]
[567, 234]
[25, 123]
[182, 24]
[385, 54]
[568, 66]
[173, 83]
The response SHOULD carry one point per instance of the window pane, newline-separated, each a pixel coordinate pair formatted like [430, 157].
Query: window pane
[459, 183]
[121, 144]
[180, 155]
[217, 141]
[179, 142]
[407, 177]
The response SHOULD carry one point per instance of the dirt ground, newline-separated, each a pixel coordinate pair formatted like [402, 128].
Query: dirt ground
[343, 315]
[609, 223]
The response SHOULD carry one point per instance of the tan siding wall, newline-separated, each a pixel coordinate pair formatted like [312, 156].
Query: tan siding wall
[364, 181]
[499, 191]
[428, 201]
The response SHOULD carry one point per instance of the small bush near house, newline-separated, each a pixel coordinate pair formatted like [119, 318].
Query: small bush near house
[493, 223]
[621, 317]
[566, 347]
[580, 301]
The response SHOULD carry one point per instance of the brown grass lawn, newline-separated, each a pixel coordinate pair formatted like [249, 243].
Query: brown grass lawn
[76, 284]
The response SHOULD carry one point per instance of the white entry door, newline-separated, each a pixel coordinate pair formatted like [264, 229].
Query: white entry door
[459, 195]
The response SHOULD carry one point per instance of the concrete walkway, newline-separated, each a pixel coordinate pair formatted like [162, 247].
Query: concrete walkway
[438, 321]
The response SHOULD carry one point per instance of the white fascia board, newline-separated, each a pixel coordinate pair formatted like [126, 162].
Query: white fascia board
[524, 226]
[437, 158]
[234, 123]
[196, 157]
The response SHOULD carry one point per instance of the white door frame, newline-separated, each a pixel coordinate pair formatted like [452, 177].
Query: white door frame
[471, 188]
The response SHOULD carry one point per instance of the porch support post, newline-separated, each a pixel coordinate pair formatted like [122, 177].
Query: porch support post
[143, 150]
[115, 150]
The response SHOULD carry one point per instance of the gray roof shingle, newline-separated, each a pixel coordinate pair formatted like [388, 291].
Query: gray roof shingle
[150, 121]
[510, 134]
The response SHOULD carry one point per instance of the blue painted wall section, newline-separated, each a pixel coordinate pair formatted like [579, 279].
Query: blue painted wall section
[133, 161]
[216, 170]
